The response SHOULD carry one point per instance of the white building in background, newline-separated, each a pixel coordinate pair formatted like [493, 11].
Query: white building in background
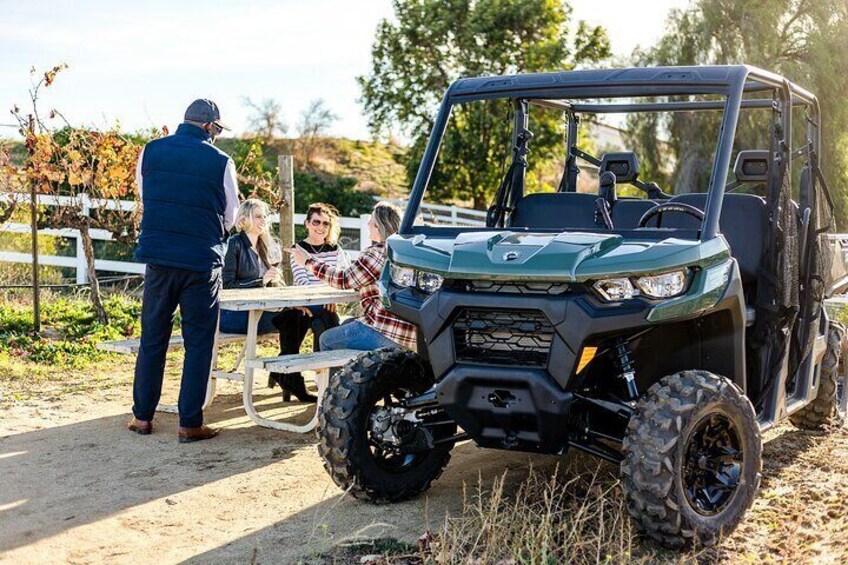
[608, 139]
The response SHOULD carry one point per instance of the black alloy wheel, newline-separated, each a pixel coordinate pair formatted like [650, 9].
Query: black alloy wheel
[386, 455]
[712, 465]
[692, 459]
[369, 450]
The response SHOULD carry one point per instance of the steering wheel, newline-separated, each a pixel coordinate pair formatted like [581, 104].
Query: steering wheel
[661, 209]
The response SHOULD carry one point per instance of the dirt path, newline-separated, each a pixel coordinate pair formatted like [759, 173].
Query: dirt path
[76, 487]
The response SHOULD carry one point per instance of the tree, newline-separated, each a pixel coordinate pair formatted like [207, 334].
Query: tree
[265, 120]
[803, 40]
[314, 124]
[80, 165]
[431, 43]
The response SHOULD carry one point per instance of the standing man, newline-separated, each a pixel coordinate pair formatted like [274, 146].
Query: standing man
[190, 197]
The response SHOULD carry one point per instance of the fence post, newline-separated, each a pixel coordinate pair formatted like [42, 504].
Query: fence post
[285, 170]
[33, 216]
[82, 266]
[364, 232]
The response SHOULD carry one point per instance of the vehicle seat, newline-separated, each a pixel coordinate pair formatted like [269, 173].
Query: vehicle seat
[743, 223]
[555, 210]
[627, 212]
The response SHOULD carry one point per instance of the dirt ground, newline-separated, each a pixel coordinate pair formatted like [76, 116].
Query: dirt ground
[77, 487]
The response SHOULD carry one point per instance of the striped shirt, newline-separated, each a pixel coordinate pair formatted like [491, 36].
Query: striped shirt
[332, 255]
[363, 275]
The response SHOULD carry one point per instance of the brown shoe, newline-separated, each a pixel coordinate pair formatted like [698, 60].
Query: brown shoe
[141, 427]
[189, 435]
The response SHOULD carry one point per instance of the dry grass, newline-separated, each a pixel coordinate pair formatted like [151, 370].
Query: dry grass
[574, 513]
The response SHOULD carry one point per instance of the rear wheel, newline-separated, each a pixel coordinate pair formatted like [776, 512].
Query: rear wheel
[693, 456]
[828, 408]
[372, 446]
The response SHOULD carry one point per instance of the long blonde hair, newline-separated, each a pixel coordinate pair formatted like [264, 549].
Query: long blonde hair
[387, 218]
[332, 214]
[244, 222]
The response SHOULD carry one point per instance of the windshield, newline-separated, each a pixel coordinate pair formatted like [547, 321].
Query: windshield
[584, 165]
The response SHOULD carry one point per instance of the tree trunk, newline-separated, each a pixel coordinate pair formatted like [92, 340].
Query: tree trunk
[88, 247]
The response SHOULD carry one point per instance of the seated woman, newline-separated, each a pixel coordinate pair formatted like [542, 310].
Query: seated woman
[322, 229]
[377, 327]
[246, 264]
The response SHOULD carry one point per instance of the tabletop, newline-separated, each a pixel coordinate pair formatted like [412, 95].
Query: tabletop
[278, 298]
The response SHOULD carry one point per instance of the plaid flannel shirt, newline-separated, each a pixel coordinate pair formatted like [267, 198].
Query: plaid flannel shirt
[363, 275]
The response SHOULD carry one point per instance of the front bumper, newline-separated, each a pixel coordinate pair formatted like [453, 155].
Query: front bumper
[532, 399]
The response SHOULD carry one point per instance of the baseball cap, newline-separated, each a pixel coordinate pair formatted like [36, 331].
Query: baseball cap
[204, 111]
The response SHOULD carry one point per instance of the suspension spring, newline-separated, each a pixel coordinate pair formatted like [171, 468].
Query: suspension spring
[625, 365]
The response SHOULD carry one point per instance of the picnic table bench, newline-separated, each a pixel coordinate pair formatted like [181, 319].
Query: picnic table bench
[255, 302]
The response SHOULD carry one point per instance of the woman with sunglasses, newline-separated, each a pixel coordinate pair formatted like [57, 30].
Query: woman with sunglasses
[322, 234]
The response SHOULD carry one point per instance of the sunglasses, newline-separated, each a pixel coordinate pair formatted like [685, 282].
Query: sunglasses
[317, 223]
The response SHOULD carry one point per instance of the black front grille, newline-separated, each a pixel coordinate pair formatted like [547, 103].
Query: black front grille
[502, 337]
[509, 287]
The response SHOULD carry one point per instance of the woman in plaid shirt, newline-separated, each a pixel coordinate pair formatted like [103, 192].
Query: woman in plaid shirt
[377, 327]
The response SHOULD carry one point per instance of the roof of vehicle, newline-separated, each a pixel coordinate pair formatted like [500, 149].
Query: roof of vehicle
[634, 81]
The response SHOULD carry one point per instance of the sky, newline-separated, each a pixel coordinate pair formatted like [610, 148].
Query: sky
[141, 63]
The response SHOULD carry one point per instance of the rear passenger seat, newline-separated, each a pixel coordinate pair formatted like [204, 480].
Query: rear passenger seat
[626, 213]
[556, 210]
[743, 223]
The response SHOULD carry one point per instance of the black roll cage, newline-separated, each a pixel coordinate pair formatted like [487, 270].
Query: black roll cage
[557, 90]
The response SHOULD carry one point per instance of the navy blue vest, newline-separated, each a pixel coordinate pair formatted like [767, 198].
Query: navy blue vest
[183, 195]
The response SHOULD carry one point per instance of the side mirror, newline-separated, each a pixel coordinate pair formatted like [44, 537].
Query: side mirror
[752, 166]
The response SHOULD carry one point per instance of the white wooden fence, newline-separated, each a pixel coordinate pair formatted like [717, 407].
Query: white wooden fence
[452, 215]
[430, 213]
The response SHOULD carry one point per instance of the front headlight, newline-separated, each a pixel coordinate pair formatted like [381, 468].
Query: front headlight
[408, 277]
[666, 285]
[613, 290]
[429, 282]
[402, 276]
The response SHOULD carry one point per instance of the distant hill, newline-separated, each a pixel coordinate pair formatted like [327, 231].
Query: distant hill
[378, 168]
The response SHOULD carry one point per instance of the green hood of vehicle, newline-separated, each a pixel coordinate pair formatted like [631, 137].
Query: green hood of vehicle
[567, 256]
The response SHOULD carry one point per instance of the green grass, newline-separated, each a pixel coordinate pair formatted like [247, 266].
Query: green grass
[70, 330]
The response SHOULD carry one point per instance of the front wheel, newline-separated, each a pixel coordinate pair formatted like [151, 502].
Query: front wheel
[693, 456]
[372, 446]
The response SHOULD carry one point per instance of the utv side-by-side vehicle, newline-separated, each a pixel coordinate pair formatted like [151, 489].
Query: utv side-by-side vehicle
[663, 332]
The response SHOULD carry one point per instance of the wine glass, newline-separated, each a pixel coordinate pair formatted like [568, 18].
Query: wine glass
[275, 253]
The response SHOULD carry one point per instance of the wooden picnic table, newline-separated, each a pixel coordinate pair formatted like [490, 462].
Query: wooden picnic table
[255, 301]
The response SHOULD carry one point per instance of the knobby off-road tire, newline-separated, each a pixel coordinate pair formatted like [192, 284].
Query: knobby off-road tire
[663, 437]
[824, 410]
[343, 427]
